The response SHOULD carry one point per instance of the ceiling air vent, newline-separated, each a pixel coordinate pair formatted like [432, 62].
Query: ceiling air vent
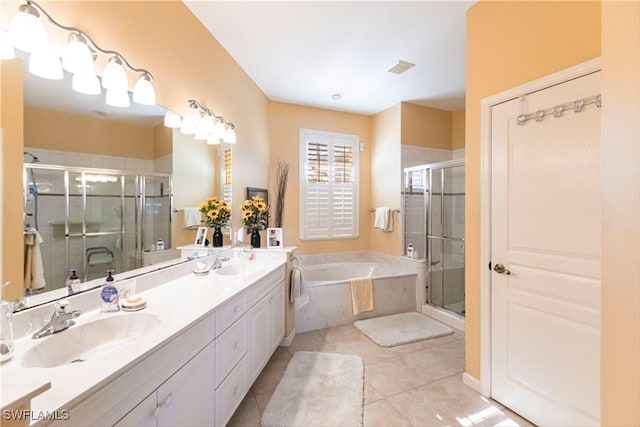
[400, 67]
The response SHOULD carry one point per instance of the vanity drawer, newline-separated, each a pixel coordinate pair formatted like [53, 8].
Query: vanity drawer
[231, 346]
[231, 311]
[262, 287]
[230, 393]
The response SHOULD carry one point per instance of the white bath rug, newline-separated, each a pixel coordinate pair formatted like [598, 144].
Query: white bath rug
[318, 389]
[404, 328]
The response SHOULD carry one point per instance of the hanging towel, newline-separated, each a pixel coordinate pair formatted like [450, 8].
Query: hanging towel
[192, 218]
[33, 268]
[362, 295]
[298, 295]
[384, 219]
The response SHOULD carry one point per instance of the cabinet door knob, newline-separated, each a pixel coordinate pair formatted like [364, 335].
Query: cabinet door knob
[167, 401]
[235, 345]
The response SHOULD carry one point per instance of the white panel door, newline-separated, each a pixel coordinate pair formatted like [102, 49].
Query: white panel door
[545, 304]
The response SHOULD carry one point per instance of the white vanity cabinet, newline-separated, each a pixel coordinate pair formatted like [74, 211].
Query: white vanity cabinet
[266, 329]
[183, 400]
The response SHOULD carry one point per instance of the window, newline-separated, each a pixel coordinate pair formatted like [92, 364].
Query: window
[226, 161]
[328, 185]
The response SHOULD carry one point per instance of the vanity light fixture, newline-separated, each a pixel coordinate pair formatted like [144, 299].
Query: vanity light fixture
[203, 123]
[27, 33]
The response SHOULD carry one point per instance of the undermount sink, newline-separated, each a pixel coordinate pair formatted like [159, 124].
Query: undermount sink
[241, 269]
[82, 342]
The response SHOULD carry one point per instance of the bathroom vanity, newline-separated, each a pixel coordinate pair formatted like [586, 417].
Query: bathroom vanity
[189, 358]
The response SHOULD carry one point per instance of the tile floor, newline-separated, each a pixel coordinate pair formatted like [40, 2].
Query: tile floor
[418, 384]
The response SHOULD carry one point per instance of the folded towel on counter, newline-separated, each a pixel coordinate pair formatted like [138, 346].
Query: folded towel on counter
[192, 218]
[33, 267]
[384, 219]
[361, 295]
[298, 294]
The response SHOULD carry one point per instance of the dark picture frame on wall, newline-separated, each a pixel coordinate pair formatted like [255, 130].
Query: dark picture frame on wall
[259, 192]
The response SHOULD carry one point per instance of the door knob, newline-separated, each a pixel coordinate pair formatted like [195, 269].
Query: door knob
[500, 269]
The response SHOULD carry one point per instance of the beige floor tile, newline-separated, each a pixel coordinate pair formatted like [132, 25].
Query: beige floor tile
[308, 341]
[343, 334]
[444, 402]
[262, 399]
[436, 362]
[370, 394]
[383, 414]
[270, 376]
[391, 376]
[506, 418]
[247, 414]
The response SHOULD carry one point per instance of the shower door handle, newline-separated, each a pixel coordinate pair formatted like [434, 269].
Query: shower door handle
[500, 269]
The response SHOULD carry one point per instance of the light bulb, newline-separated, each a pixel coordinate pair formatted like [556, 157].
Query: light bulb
[26, 31]
[220, 129]
[46, 64]
[172, 120]
[230, 136]
[190, 121]
[205, 127]
[143, 92]
[86, 82]
[213, 139]
[117, 99]
[114, 77]
[76, 56]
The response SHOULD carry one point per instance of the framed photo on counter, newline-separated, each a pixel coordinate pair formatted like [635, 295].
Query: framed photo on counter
[274, 238]
[201, 236]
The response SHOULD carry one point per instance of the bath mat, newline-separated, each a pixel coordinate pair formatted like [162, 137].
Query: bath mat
[318, 389]
[404, 328]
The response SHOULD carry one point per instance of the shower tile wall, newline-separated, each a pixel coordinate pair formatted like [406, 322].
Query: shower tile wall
[102, 214]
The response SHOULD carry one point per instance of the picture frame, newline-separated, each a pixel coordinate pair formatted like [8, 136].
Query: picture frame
[260, 192]
[274, 238]
[201, 236]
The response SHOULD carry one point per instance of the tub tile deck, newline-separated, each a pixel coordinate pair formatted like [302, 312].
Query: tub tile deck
[418, 384]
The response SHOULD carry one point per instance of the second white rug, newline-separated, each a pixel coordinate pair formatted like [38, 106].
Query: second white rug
[403, 328]
[318, 389]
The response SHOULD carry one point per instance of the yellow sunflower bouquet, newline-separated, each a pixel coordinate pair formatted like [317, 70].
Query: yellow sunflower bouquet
[215, 212]
[255, 213]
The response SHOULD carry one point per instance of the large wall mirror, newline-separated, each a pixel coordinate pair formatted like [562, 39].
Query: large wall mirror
[98, 186]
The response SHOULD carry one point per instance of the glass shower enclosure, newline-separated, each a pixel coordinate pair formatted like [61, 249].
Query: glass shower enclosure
[94, 220]
[434, 200]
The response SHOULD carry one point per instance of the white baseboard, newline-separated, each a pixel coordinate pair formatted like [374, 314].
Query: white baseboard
[286, 341]
[472, 382]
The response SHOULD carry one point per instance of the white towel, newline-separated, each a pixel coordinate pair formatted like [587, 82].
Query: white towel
[298, 293]
[33, 267]
[192, 218]
[384, 219]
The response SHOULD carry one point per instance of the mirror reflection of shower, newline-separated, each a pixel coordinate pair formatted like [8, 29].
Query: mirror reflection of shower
[31, 197]
[434, 201]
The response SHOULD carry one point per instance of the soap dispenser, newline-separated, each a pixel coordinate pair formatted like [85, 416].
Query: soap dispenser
[72, 283]
[109, 295]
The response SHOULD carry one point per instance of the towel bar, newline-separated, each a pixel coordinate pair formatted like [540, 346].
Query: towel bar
[392, 210]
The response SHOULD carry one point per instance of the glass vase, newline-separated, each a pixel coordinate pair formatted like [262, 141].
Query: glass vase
[255, 238]
[217, 237]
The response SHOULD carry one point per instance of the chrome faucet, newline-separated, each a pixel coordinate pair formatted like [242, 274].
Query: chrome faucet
[216, 264]
[60, 320]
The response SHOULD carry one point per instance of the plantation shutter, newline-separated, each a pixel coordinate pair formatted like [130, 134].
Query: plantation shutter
[329, 185]
[226, 183]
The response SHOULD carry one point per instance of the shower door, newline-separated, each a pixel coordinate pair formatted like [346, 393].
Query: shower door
[444, 198]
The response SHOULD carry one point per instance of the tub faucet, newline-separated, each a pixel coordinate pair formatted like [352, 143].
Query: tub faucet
[60, 320]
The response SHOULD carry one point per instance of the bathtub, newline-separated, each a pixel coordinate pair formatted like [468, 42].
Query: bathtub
[327, 277]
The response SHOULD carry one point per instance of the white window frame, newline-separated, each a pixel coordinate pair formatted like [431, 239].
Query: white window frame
[331, 138]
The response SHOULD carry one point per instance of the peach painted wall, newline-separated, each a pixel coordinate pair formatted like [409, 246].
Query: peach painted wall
[425, 126]
[11, 124]
[56, 130]
[621, 214]
[386, 163]
[162, 141]
[508, 44]
[285, 122]
[457, 129]
[187, 62]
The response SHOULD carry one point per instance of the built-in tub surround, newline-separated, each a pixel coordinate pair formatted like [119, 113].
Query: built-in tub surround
[326, 278]
[181, 302]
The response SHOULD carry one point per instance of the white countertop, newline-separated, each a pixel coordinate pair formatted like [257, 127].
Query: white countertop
[178, 304]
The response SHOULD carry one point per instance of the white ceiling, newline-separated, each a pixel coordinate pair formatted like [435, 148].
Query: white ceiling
[304, 52]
